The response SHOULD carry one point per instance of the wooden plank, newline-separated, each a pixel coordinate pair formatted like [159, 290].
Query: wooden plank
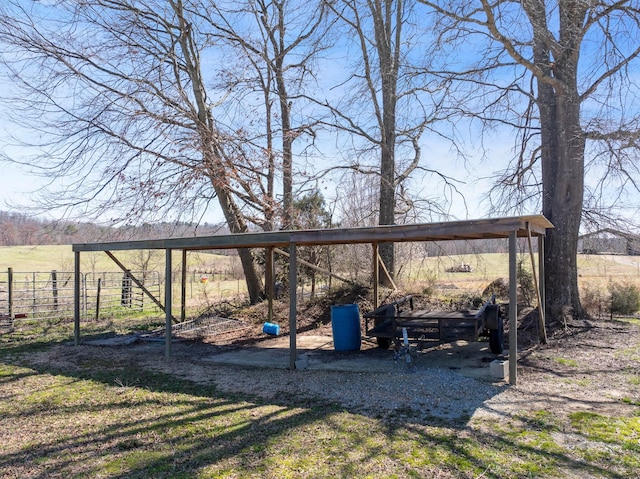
[233, 241]
[401, 233]
[464, 314]
[376, 274]
[386, 273]
[453, 230]
[119, 245]
[314, 267]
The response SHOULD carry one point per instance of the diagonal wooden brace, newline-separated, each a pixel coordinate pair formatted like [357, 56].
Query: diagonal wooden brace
[138, 283]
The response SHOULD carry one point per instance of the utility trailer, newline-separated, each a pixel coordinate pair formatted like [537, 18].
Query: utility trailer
[389, 320]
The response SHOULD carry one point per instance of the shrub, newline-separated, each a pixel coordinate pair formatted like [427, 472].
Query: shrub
[595, 300]
[499, 287]
[429, 288]
[625, 298]
[526, 288]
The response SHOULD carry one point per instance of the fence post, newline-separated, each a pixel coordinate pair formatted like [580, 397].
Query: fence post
[35, 296]
[98, 299]
[84, 291]
[54, 286]
[183, 287]
[10, 294]
[126, 299]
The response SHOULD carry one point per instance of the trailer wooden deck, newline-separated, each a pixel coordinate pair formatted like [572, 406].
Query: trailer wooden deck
[429, 324]
[389, 321]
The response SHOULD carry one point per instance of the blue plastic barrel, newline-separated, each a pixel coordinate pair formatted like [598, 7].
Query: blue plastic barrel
[345, 325]
[271, 328]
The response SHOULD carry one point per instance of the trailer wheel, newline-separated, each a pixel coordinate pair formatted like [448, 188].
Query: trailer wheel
[383, 343]
[496, 338]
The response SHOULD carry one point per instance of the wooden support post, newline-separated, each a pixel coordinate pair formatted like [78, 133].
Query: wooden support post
[541, 321]
[386, 273]
[542, 287]
[513, 311]
[183, 287]
[270, 279]
[293, 300]
[167, 301]
[76, 298]
[376, 273]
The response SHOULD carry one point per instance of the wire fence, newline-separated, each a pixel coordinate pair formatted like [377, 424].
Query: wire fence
[50, 295]
[111, 294]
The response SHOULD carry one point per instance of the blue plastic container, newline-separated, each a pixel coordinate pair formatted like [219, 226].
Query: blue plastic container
[345, 325]
[271, 328]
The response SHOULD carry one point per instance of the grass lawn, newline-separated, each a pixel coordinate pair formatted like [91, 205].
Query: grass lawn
[114, 419]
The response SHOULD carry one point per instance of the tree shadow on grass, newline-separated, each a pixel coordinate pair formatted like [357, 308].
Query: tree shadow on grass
[101, 417]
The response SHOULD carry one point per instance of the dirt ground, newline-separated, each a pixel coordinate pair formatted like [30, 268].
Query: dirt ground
[593, 366]
[588, 366]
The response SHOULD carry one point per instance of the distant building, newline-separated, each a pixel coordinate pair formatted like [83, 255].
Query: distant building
[609, 241]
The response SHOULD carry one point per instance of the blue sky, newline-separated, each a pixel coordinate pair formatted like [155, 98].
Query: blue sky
[15, 185]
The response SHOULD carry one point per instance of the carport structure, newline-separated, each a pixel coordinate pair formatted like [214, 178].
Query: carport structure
[510, 228]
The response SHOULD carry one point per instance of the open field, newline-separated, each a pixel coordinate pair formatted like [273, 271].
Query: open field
[595, 274]
[593, 269]
[211, 277]
[60, 257]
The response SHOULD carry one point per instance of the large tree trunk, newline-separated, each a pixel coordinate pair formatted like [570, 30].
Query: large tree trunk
[279, 71]
[287, 149]
[563, 186]
[235, 222]
[213, 154]
[389, 57]
[387, 208]
[562, 154]
[563, 170]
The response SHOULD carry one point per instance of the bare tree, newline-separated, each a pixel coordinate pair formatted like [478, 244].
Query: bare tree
[275, 44]
[117, 89]
[392, 101]
[357, 206]
[559, 73]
